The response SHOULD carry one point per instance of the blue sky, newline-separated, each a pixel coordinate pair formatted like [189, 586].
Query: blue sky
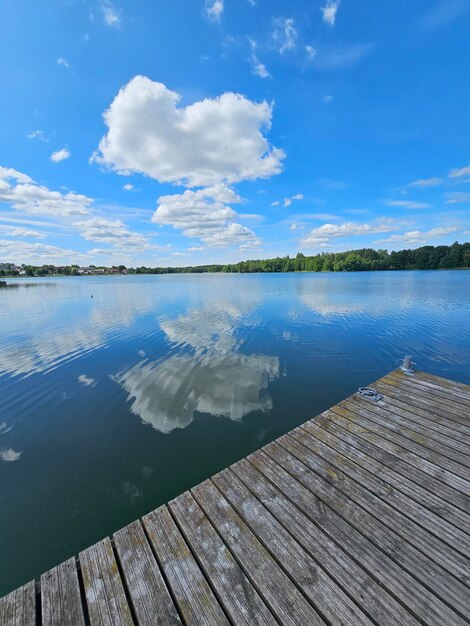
[198, 131]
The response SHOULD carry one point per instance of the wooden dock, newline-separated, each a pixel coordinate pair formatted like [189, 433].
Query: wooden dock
[359, 516]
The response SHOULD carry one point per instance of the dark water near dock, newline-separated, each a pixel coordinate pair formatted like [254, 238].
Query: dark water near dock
[112, 405]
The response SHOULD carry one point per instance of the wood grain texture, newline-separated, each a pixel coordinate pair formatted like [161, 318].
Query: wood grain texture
[283, 596]
[105, 597]
[195, 599]
[61, 603]
[234, 590]
[147, 590]
[18, 608]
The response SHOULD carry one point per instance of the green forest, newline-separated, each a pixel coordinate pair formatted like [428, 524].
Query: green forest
[366, 259]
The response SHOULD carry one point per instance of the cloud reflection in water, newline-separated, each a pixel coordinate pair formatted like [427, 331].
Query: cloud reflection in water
[214, 379]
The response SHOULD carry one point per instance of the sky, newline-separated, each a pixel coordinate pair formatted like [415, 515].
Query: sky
[184, 132]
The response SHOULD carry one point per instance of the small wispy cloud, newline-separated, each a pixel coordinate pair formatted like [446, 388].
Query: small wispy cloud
[311, 52]
[460, 171]
[214, 9]
[457, 197]
[38, 134]
[407, 204]
[111, 15]
[60, 155]
[288, 201]
[285, 35]
[63, 62]
[426, 182]
[327, 98]
[128, 187]
[329, 11]
[258, 68]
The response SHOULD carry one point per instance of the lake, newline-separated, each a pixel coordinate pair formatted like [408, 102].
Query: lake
[118, 393]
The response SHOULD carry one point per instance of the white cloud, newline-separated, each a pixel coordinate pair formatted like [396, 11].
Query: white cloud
[112, 232]
[285, 35]
[9, 455]
[25, 195]
[38, 134]
[258, 68]
[311, 52]
[323, 234]
[329, 11]
[87, 381]
[460, 171]
[327, 99]
[9, 173]
[23, 232]
[407, 204]
[196, 248]
[426, 182]
[111, 15]
[288, 201]
[209, 141]
[214, 9]
[61, 61]
[128, 187]
[38, 253]
[205, 214]
[457, 197]
[414, 237]
[60, 155]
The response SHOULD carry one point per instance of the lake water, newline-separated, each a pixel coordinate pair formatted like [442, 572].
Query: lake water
[113, 404]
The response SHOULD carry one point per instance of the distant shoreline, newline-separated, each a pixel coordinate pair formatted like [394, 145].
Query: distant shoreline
[456, 256]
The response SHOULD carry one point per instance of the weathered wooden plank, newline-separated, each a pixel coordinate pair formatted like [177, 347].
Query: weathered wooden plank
[424, 401]
[411, 387]
[282, 596]
[421, 471]
[147, 590]
[393, 398]
[354, 580]
[366, 455]
[18, 608]
[460, 398]
[333, 604]
[443, 382]
[432, 430]
[452, 473]
[61, 603]
[410, 592]
[417, 435]
[235, 592]
[313, 438]
[195, 599]
[361, 493]
[106, 600]
[448, 588]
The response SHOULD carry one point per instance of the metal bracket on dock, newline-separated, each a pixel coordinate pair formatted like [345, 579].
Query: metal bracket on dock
[370, 393]
[407, 364]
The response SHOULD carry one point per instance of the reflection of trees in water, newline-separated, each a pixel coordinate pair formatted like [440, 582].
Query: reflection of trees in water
[215, 378]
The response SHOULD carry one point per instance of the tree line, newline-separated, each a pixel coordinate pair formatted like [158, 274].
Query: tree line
[366, 259]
